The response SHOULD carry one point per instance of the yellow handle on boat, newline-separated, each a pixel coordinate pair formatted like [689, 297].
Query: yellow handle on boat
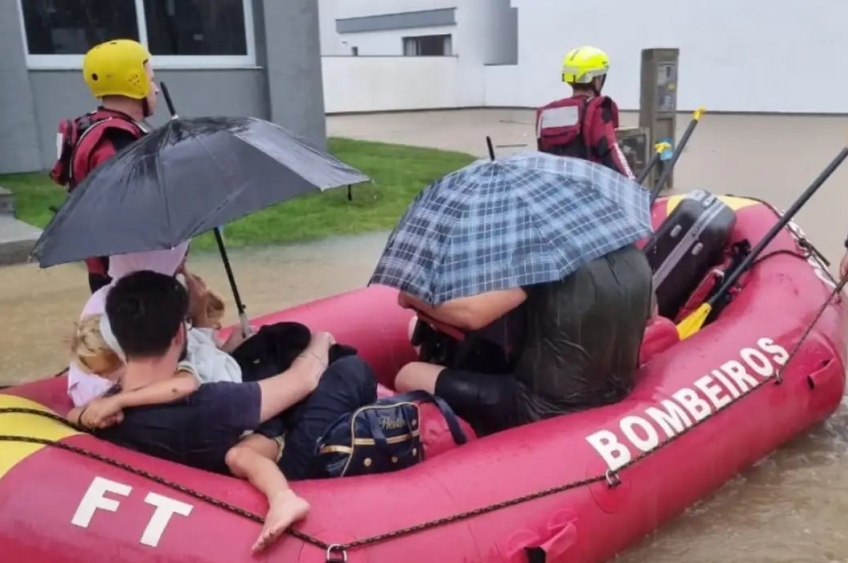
[661, 147]
[696, 115]
[693, 323]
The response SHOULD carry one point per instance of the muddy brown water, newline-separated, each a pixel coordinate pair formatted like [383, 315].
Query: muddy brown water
[41, 306]
[792, 507]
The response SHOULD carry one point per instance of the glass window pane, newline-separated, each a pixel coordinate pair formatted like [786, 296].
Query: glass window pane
[195, 27]
[72, 27]
[427, 46]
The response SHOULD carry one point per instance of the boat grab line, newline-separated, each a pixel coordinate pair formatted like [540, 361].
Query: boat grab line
[335, 550]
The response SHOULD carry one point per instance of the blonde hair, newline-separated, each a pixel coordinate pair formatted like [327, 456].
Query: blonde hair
[90, 351]
[215, 309]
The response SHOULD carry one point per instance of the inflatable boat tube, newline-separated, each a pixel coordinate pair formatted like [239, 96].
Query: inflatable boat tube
[580, 487]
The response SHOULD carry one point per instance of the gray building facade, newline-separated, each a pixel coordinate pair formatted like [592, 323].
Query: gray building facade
[259, 58]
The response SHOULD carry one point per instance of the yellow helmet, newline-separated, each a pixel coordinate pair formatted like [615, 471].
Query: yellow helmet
[116, 68]
[583, 64]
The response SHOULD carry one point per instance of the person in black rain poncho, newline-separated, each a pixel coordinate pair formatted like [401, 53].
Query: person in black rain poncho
[573, 344]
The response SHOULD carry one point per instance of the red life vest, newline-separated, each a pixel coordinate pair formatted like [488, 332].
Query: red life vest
[78, 138]
[565, 127]
[76, 142]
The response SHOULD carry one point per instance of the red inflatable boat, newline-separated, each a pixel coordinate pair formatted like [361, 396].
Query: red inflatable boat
[580, 487]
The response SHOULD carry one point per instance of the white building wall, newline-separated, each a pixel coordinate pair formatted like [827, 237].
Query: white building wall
[373, 84]
[331, 42]
[500, 41]
[405, 81]
[390, 42]
[751, 56]
[373, 43]
[470, 50]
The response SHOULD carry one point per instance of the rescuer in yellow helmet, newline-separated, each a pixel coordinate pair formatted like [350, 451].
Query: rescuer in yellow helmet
[119, 74]
[584, 124]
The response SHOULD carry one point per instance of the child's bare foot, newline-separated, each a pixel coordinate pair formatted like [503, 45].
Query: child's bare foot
[284, 510]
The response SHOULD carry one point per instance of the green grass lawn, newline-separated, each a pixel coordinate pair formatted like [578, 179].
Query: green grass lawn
[398, 173]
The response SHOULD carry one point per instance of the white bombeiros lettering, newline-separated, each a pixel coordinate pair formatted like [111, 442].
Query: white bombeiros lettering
[672, 416]
[721, 376]
[744, 380]
[714, 392]
[95, 498]
[697, 407]
[778, 353]
[614, 453]
[757, 361]
[646, 439]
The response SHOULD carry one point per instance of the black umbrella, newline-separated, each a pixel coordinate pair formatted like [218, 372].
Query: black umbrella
[183, 179]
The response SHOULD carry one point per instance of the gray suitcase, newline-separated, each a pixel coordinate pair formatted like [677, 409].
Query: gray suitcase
[690, 242]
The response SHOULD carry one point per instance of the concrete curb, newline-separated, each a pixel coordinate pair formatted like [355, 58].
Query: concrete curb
[16, 237]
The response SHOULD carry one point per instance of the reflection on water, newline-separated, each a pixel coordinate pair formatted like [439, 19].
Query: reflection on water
[790, 508]
[39, 307]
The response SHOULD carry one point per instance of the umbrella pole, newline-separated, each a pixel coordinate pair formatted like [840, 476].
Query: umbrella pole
[245, 326]
[232, 279]
[168, 101]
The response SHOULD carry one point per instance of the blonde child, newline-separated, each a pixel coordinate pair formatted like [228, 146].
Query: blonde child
[95, 350]
[91, 351]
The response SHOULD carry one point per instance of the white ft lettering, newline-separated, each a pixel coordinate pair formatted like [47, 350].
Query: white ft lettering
[165, 508]
[95, 498]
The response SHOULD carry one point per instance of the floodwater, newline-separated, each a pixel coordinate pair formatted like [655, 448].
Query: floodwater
[791, 507]
[39, 307]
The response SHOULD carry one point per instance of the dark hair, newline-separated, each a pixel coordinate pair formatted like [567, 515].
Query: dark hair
[590, 87]
[582, 87]
[146, 310]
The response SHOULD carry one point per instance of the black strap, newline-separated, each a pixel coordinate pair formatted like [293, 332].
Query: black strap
[536, 555]
[85, 125]
[582, 141]
[458, 435]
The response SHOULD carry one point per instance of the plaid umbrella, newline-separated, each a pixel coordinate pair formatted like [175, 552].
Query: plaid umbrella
[526, 219]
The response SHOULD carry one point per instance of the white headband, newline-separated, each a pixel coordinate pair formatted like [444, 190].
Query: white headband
[109, 337]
